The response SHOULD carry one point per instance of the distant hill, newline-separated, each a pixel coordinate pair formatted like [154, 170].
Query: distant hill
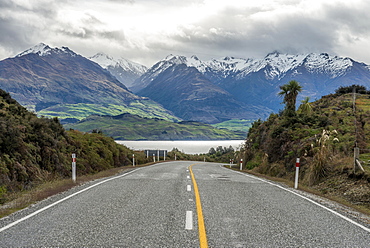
[133, 127]
[45, 79]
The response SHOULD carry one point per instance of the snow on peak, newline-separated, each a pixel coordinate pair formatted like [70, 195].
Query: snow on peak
[106, 61]
[42, 49]
[274, 65]
[332, 65]
[103, 60]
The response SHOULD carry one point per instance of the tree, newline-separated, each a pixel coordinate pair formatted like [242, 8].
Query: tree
[305, 107]
[212, 151]
[350, 89]
[290, 92]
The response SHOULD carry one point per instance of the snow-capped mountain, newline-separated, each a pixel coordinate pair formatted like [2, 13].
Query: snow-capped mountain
[191, 96]
[256, 81]
[42, 76]
[275, 65]
[42, 49]
[123, 69]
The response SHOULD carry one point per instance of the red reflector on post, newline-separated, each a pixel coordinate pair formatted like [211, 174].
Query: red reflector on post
[297, 164]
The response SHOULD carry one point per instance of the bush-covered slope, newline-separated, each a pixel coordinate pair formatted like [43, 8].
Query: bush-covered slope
[323, 135]
[133, 127]
[35, 149]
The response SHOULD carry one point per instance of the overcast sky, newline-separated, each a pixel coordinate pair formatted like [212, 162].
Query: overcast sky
[146, 31]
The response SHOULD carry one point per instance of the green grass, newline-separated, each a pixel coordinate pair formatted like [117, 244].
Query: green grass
[235, 125]
[363, 102]
[143, 108]
[133, 127]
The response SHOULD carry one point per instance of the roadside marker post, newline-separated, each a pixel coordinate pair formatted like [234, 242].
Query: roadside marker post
[74, 167]
[133, 160]
[241, 164]
[297, 165]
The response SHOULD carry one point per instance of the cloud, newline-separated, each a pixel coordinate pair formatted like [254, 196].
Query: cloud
[146, 31]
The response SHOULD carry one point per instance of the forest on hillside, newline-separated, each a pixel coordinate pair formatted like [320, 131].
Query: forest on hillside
[34, 150]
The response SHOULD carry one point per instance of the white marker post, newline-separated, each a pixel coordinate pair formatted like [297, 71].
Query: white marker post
[241, 164]
[297, 164]
[133, 160]
[158, 154]
[74, 167]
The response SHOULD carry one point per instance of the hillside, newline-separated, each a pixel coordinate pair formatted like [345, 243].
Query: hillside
[57, 82]
[72, 113]
[34, 150]
[323, 139]
[133, 127]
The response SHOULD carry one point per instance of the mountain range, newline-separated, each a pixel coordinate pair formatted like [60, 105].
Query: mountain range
[255, 82]
[59, 82]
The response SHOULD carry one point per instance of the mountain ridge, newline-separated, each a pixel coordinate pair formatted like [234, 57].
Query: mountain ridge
[124, 70]
[256, 81]
[191, 96]
[43, 77]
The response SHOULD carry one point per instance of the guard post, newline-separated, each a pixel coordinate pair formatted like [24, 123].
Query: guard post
[74, 167]
[297, 165]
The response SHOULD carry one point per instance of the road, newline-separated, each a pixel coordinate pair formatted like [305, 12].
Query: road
[162, 206]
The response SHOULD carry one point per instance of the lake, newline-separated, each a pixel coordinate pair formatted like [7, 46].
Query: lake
[186, 146]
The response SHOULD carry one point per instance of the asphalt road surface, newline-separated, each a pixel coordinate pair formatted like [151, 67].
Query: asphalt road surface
[173, 205]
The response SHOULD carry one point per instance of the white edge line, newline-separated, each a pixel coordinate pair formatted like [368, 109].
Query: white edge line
[308, 199]
[62, 200]
[189, 220]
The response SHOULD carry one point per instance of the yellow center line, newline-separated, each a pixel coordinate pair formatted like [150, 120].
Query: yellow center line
[202, 230]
